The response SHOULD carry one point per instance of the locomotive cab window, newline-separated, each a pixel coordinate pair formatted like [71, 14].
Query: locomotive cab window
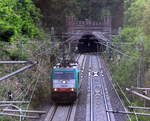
[64, 75]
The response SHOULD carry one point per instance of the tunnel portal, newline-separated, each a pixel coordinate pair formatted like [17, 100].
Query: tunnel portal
[89, 43]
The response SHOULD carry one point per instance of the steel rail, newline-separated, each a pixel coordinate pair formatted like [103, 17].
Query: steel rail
[54, 113]
[91, 94]
[78, 57]
[82, 70]
[51, 113]
[69, 113]
[74, 107]
[88, 102]
[104, 93]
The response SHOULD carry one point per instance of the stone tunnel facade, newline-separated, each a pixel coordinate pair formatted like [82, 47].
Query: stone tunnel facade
[89, 36]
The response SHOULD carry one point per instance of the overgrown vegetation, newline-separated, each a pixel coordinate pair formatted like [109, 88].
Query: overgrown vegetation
[3, 118]
[133, 40]
[19, 23]
[81, 9]
[18, 20]
[20, 36]
[33, 83]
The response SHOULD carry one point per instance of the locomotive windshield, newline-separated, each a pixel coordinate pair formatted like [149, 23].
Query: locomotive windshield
[65, 75]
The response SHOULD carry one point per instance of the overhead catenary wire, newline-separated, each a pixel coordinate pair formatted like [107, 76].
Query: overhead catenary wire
[21, 114]
[45, 52]
[25, 91]
[103, 43]
[39, 47]
[33, 91]
[124, 54]
[16, 72]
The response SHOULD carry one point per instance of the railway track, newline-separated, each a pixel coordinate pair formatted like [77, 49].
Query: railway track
[57, 113]
[97, 98]
[106, 99]
[66, 112]
[103, 96]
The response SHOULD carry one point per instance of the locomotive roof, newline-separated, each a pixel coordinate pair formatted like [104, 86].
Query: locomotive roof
[71, 65]
[66, 69]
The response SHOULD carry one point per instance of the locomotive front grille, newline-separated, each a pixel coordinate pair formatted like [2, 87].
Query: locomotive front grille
[64, 97]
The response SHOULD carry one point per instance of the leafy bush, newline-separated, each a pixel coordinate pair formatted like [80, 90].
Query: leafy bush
[4, 118]
[18, 20]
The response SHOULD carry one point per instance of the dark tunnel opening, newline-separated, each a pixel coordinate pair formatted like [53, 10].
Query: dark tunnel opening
[89, 44]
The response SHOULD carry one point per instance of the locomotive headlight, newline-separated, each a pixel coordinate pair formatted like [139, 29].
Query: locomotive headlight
[72, 89]
[55, 89]
[64, 82]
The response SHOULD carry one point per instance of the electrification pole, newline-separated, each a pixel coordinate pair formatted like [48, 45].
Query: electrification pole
[140, 80]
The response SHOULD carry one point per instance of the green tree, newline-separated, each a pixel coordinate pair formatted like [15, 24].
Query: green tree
[146, 18]
[134, 14]
[55, 12]
[18, 19]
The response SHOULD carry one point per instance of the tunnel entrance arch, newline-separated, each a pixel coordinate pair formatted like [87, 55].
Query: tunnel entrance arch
[88, 43]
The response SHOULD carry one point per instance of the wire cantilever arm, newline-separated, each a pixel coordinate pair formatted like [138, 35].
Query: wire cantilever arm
[16, 72]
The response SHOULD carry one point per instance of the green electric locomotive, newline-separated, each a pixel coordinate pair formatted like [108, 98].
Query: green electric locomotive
[65, 81]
